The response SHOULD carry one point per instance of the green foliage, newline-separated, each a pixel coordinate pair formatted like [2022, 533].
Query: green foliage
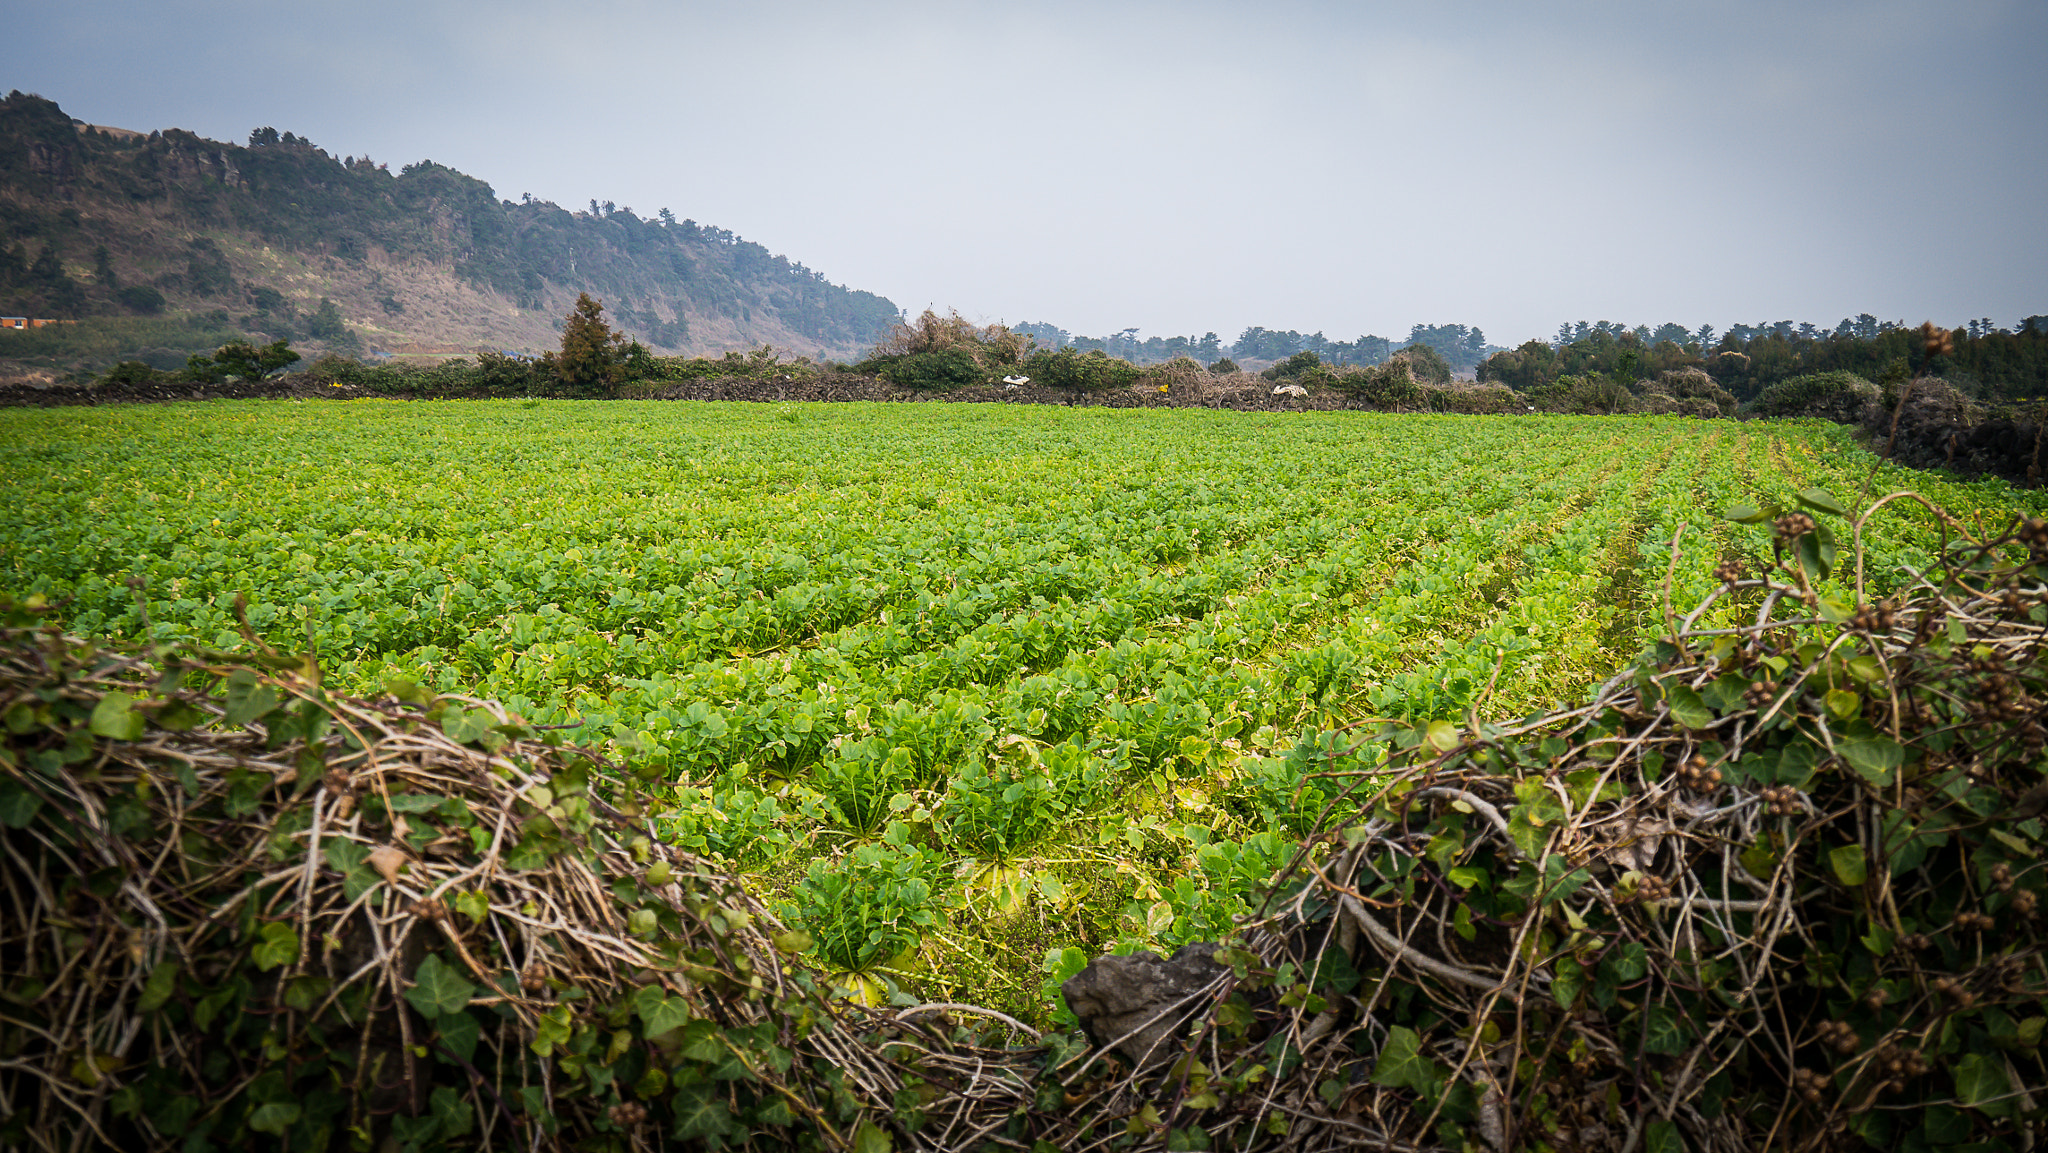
[933, 371]
[868, 907]
[592, 357]
[1080, 372]
[1838, 396]
[247, 361]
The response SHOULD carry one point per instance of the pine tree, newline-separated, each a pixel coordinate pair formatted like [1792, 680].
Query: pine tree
[593, 357]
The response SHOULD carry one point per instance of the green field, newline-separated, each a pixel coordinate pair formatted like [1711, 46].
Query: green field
[962, 687]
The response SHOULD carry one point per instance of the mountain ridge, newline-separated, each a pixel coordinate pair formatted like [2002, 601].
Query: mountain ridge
[97, 221]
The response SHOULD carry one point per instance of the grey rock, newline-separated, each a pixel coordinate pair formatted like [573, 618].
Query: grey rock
[1140, 1002]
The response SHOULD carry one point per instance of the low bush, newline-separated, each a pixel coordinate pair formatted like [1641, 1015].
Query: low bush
[1842, 397]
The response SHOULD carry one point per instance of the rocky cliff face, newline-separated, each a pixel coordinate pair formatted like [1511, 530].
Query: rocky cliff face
[96, 222]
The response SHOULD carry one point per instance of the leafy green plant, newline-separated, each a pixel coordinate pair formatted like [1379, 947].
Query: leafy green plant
[868, 907]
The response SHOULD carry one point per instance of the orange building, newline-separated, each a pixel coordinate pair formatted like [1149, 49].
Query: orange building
[28, 322]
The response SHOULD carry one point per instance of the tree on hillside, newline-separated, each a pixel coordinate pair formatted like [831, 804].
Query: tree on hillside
[593, 357]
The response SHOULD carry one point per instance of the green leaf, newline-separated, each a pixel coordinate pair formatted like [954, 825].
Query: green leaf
[453, 1114]
[438, 989]
[1876, 759]
[1849, 864]
[1843, 703]
[467, 726]
[870, 1138]
[277, 944]
[699, 1114]
[1444, 736]
[459, 1034]
[660, 1012]
[1663, 1030]
[414, 802]
[247, 699]
[161, 985]
[18, 805]
[1981, 1084]
[1402, 1065]
[1662, 1137]
[1816, 552]
[116, 719]
[1745, 514]
[1688, 708]
[276, 1117]
[1820, 500]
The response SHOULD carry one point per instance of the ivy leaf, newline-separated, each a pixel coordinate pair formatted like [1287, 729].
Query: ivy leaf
[116, 719]
[467, 726]
[871, 1138]
[1662, 1137]
[247, 699]
[1981, 1084]
[278, 945]
[1820, 500]
[1877, 759]
[162, 982]
[1688, 707]
[1402, 1065]
[459, 1034]
[18, 805]
[438, 989]
[277, 1117]
[699, 1114]
[659, 1012]
[1849, 865]
[1663, 1030]
[453, 1114]
[1745, 514]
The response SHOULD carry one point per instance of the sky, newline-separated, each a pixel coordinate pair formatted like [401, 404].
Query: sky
[1188, 166]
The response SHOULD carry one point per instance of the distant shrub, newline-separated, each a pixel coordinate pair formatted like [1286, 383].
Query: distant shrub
[1091, 371]
[1592, 394]
[133, 372]
[1389, 385]
[1838, 396]
[938, 371]
[1224, 367]
[1479, 399]
[1427, 363]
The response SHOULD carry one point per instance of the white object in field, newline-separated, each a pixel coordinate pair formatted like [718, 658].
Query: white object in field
[1011, 382]
[1289, 390]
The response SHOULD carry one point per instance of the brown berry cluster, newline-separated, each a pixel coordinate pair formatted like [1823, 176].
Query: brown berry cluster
[1975, 922]
[338, 783]
[1780, 800]
[1792, 526]
[1652, 889]
[1760, 694]
[1953, 989]
[2033, 532]
[1698, 775]
[1728, 572]
[1877, 618]
[2001, 877]
[1876, 998]
[534, 978]
[1839, 1036]
[2026, 904]
[1898, 1065]
[1917, 942]
[1999, 698]
[1809, 1084]
[428, 909]
[627, 1114]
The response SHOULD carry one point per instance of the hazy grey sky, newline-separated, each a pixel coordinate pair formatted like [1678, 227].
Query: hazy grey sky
[1188, 166]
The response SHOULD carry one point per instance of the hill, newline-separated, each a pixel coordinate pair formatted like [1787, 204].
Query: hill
[110, 223]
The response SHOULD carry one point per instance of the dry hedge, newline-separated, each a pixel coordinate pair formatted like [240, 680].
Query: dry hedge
[1778, 887]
